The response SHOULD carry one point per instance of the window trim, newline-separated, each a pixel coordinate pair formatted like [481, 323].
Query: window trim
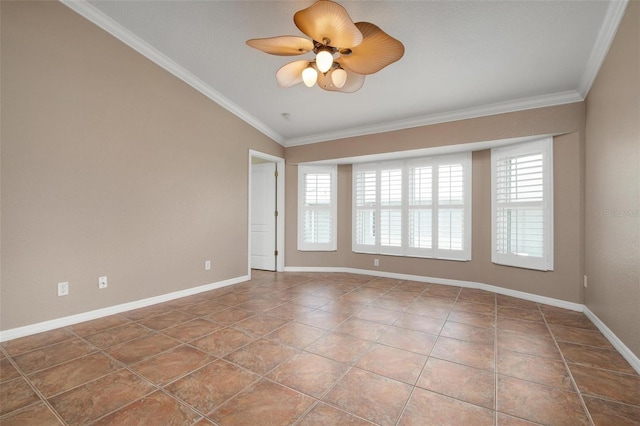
[546, 261]
[332, 170]
[464, 158]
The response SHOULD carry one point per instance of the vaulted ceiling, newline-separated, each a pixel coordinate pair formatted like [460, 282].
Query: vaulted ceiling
[462, 59]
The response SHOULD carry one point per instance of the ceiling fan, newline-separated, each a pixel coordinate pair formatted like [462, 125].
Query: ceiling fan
[345, 52]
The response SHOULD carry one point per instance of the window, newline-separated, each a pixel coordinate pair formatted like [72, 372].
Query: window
[317, 208]
[522, 205]
[418, 207]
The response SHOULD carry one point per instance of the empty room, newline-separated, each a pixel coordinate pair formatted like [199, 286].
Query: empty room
[319, 213]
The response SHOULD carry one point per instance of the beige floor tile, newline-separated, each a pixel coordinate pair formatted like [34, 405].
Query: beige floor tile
[427, 408]
[212, 385]
[155, 409]
[89, 402]
[459, 381]
[320, 349]
[394, 363]
[323, 415]
[539, 403]
[370, 396]
[309, 373]
[269, 402]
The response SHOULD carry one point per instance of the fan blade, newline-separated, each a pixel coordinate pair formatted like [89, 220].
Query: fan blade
[291, 74]
[377, 50]
[354, 81]
[328, 20]
[283, 45]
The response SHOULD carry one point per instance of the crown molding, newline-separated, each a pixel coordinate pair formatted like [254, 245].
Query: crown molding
[614, 15]
[608, 30]
[95, 16]
[463, 114]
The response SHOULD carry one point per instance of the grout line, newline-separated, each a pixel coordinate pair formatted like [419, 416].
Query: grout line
[157, 387]
[319, 400]
[566, 366]
[39, 394]
[264, 376]
[279, 288]
[413, 388]
[123, 367]
[307, 411]
[350, 367]
[161, 388]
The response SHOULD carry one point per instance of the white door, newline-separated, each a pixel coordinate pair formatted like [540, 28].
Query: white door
[263, 218]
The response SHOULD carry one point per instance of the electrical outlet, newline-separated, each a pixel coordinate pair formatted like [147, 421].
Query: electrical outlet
[63, 289]
[207, 265]
[376, 262]
[585, 281]
[102, 282]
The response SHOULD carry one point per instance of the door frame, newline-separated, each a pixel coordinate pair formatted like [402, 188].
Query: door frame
[279, 206]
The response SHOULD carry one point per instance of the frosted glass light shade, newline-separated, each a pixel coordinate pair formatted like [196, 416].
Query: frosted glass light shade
[339, 77]
[309, 76]
[324, 60]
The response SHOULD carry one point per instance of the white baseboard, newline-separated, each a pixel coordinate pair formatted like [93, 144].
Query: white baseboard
[28, 330]
[445, 281]
[617, 343]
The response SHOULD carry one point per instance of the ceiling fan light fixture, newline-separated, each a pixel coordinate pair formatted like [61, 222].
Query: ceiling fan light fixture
[345, 52]
[324, 61]
[339, 77]
[309, 76]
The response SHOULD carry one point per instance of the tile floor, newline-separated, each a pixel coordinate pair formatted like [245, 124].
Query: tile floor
[323, 349]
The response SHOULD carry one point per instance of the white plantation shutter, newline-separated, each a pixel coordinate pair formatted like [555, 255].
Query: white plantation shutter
[451, 215]
[317, 208]
[390, 178]
[317, 221]
[522, 205]
[418, 207]
[365, 195]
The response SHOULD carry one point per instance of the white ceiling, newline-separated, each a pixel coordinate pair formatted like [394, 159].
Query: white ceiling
[462, 58]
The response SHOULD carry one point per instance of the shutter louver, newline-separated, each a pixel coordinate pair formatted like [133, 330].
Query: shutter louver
[365, 201]
[391, 208]
[317, 223]
[522, 205]
[519, 193]
[450, 207]
[418, 207]
[317, 208]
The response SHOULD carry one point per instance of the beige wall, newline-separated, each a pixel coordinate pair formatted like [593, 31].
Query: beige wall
[110, 166]
[613, 186]
[563, 283]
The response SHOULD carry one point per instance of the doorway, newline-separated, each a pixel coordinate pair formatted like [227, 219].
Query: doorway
[266, 212]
